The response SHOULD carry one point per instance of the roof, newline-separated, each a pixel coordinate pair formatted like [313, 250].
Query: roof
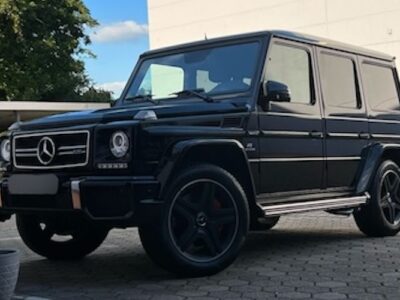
[309, 39]
[327, 43]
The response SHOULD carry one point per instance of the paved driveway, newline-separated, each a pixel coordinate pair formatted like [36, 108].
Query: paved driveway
[315, 256]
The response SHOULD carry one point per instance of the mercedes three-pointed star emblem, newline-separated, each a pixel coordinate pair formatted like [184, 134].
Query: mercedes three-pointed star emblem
[46, 151]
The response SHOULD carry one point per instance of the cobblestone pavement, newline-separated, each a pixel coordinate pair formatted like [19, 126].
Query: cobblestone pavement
[317, 256]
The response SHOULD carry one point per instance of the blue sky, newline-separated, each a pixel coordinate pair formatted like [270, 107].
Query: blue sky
[117, 42]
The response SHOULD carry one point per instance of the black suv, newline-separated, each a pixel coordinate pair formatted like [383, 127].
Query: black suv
[209, 140]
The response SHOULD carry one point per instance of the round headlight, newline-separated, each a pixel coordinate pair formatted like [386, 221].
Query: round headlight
[119, 144]
[5, 150]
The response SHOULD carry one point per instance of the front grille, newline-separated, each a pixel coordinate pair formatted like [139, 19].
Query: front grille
[51, 150]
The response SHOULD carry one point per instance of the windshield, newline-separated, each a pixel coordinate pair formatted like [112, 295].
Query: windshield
[218, 70]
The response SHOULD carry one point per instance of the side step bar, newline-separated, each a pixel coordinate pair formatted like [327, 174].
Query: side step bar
[299, 207]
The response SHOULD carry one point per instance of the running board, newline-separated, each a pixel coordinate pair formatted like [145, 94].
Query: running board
[290, 208]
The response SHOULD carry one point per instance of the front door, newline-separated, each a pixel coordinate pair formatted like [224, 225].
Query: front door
[291, 142]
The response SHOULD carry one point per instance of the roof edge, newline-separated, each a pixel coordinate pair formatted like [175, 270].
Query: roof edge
[332, 44]
[290, 35]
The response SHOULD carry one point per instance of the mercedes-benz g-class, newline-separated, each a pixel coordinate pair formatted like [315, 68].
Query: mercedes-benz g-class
[210, 140]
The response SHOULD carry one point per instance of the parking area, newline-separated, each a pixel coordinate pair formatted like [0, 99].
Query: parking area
[317, 256]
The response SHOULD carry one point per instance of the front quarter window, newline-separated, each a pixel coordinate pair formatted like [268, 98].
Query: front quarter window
[218, 70]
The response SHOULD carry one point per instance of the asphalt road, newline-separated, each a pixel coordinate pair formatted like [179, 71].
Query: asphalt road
[316, 256]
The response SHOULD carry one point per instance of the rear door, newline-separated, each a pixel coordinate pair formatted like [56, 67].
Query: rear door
[346, 124]
[291, 143]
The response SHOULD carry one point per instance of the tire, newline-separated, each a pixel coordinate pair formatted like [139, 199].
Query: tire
[80, 237]
[203, 224]
[381, 215]
[265, 224]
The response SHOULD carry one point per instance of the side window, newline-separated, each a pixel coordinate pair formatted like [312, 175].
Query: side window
[339, 81]
[380, 87]
[292, 67]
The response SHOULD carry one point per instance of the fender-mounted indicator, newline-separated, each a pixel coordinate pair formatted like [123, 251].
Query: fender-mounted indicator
[145, 115]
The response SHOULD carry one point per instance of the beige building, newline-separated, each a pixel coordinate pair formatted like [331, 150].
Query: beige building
[369, 23]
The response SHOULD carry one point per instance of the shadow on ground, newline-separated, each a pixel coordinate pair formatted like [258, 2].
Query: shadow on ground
[292, 261]
[110, 267]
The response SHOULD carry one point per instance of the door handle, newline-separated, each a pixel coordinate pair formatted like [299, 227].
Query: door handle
[316, 135]
[364, 135]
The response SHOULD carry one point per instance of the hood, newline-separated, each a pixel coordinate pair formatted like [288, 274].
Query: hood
[128, 112]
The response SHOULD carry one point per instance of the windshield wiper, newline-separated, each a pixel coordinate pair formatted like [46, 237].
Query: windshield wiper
[199, 93]
[148, 98]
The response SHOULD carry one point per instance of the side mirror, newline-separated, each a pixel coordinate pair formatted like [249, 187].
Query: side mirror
[274, 91]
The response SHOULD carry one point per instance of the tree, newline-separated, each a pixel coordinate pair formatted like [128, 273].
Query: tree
[42, 43]
[99, 95]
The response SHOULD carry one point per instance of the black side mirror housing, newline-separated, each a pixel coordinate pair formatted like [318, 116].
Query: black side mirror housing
[274, 91]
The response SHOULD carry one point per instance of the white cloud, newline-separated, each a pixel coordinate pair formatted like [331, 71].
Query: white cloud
[116, 87]
[120, 31]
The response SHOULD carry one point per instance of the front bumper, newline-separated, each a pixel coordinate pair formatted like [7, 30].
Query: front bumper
[133, 200]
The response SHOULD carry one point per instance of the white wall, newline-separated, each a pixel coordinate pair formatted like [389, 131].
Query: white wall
[374, 24]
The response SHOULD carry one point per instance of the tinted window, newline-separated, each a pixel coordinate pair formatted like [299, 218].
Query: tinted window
[292, 67]
[339, 81]
[215, 70]
[380, 87]
[169, 79]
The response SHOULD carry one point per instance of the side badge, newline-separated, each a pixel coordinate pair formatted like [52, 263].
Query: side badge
[250, 147]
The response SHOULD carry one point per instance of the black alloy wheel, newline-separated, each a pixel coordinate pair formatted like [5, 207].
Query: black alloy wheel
[389, 197]
[381, 215]
[203, 220]
[203, 224]
[60, 237]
